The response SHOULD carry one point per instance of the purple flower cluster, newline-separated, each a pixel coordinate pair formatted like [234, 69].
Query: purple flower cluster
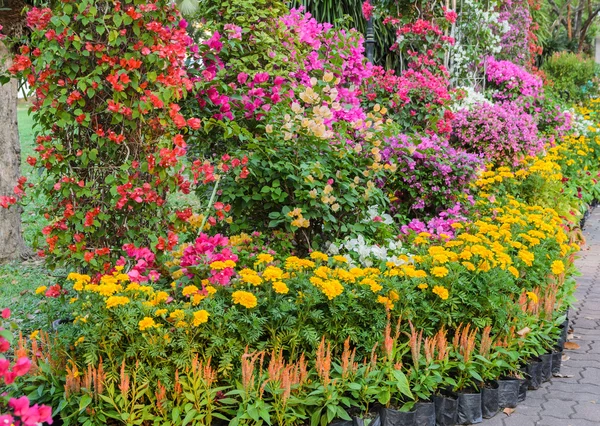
[503, 133]
[512, 82]
[515, 42]
[439, 226]
[431, 175]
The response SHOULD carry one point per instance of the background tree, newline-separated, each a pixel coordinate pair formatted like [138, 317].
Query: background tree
[570, 24]
[12, 245]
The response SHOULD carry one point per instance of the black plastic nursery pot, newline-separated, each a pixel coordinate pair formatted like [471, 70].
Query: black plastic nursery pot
[489, 400]
[469, 409]
[534, 370]
[425, 414]
[354, 422]
[446, 410]
[523, 385]
[564, 332]
[391, 417]
[556, 360]
[508, 392]
[546, 367]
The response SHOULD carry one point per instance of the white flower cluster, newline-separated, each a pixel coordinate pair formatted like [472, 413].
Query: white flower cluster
[472, 97]
[579, 125]
[374, 216]
[478, 34]
[370, 254]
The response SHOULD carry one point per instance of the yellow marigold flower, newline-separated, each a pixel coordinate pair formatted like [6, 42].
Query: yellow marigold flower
[340, 259]
[210, 289]
[317, 255]
[527, 257]
[442, 292]
[200, 317]
[177, 314]
[79, 341]
[41, 289]
[133, 287]
[280, 287]
[295, 263]
[181, 324]
[514, 271]
[385, 301]
[423, 286]
[255, 280]
[439, 271]
[73, 300]
[332, 288]
[220, 265]
[469, 266]
[188, 290]
[160, 312]
[419, 273]
[532, 296]
[375, 287]
[197, 298]
[159, 297]
[34, 335]
[146, 323]
[393, 296]
[113, 301]
[177, 274]
[244, 298]
[263, 258]
[558, 267]
[272, 273]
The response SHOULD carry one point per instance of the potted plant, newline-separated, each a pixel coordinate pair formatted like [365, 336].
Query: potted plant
[395, 395]
[467, 376]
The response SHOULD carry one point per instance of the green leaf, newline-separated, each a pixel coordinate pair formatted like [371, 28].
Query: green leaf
[402, 383]
[84, 402]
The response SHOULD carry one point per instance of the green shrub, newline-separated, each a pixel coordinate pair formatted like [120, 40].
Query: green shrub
[573, 76]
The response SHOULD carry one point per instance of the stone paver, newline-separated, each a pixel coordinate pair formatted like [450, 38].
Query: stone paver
[572, 401]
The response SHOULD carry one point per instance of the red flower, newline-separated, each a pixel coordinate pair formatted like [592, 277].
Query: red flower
[22, 366]
[53, 291]
[6, 313]
[4, 345]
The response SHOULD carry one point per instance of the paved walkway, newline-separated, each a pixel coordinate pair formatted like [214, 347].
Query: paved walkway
[572, 401]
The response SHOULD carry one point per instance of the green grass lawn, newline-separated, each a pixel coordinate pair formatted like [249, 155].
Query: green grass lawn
[18, 281]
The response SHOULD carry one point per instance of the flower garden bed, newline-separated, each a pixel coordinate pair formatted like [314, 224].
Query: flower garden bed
[296, 240]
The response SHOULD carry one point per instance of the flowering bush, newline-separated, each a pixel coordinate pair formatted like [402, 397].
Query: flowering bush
[106, 79]
[517, 41]
[17, 411]
[419, 96]
[503, 133]
[510, 82]
[428, 174]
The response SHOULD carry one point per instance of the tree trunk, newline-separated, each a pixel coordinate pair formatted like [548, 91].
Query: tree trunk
[12, 245]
